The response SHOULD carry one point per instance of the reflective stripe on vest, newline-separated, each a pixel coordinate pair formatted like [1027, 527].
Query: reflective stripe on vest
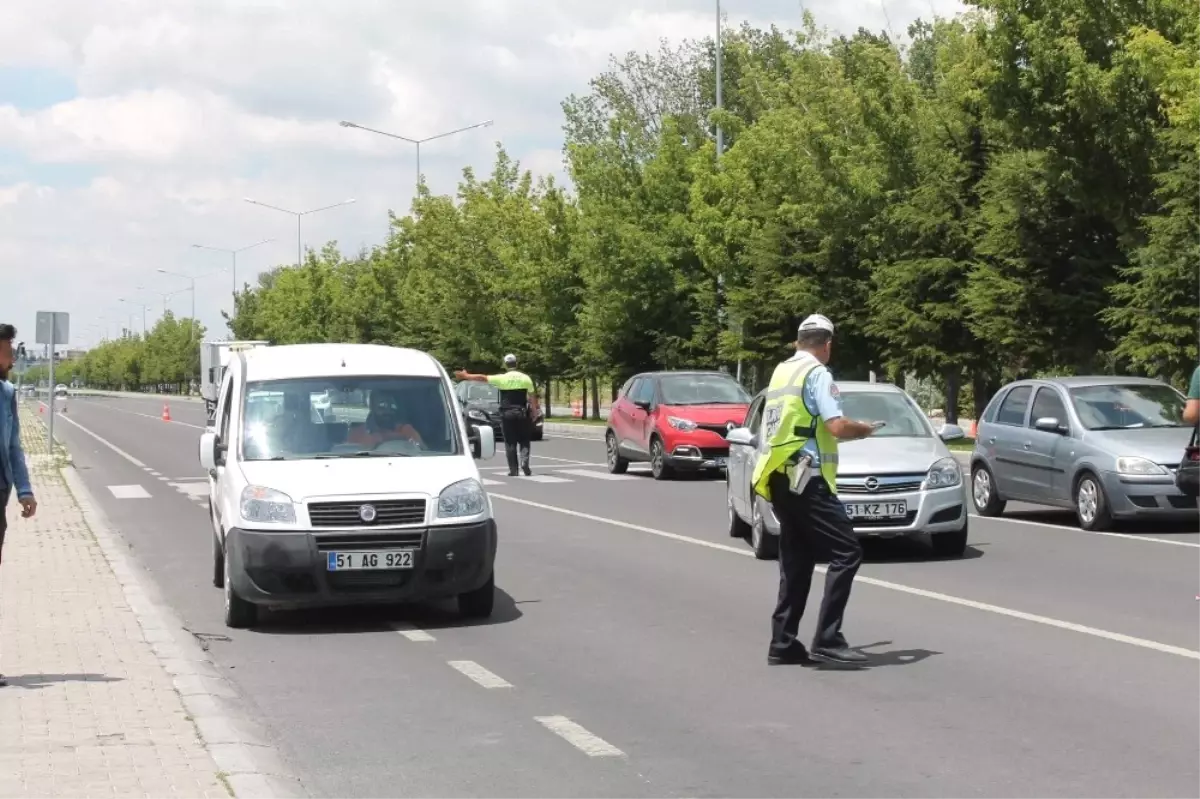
[788, 424]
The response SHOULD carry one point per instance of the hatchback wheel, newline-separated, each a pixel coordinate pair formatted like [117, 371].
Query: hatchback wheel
[658, 460]
[766, 546]
[1091, 505]
[616, 463]
[983, 492]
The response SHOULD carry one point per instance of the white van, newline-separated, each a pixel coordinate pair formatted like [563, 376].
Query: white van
[374, 499]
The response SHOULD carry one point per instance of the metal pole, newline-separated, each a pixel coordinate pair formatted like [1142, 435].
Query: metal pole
[233, 268]
[418, 167]
[50, 394]
[299, 246]
[720, 133]
[192, 322]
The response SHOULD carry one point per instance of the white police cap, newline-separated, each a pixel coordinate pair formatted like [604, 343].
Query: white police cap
[510, 360]
[815, 322]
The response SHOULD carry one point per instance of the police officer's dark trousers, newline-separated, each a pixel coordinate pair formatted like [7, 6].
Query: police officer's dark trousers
[514, 426]
[812, 524]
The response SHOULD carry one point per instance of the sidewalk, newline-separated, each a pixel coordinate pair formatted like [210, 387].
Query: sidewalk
[90, 709]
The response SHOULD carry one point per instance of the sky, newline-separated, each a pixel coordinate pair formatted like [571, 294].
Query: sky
[131, 130]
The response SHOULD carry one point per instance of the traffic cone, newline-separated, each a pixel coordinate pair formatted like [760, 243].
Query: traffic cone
[42, 408]
[166, 416]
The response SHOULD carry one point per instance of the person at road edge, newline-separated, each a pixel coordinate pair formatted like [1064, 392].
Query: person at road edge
[1191, 411]
[802, 423]
[518, 399]
[14, 474]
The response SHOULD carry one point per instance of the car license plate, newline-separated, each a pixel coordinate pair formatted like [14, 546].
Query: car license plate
[877, 510]
[373, 559]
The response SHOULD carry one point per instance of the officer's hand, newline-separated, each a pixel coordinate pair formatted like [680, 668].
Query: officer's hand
[461, 374]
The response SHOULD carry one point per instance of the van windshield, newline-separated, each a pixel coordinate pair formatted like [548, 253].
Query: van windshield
[355, 417]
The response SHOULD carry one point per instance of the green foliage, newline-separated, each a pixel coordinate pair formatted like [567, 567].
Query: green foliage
[168, 356]
[1015, 191]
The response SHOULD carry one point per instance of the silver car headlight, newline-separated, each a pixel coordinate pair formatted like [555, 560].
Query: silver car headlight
[464, 498]
[1138, 467]
[944, 473]
[478, 416]
[267, 506]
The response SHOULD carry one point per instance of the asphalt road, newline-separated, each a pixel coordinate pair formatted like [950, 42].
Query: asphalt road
[1048, 662]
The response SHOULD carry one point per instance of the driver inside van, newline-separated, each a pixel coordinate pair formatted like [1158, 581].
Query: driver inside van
[383, 423]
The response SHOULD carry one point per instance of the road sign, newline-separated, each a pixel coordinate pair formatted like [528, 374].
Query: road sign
[53, 327]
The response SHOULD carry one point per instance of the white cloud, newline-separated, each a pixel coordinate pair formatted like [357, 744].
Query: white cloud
[186, 107]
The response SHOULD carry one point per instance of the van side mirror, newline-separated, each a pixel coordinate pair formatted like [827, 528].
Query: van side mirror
[209, 451]
[483, 443]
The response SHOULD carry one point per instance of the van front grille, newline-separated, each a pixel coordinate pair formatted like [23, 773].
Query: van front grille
[388, 512]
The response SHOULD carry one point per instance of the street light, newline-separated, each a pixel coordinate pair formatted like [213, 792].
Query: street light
[137, 305]
[233, 253]
[299, 215]
[417, 142]
[192, 288]
[165, 296]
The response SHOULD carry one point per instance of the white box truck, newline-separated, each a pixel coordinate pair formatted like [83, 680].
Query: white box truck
[214, 357]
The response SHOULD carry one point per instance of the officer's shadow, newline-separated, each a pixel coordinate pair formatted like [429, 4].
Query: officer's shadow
[895, 657]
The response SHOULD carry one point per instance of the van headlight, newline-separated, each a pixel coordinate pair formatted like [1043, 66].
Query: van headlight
[267, 506]
[1133, 466]
[943, 473]
[464, 498]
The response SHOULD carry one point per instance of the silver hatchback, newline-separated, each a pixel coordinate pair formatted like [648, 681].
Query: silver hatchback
[900, 482]
[1107, 447]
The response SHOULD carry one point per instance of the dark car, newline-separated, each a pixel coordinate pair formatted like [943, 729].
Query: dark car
[481, 404]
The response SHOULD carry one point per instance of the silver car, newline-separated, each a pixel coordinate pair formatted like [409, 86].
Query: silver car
[902, 481]
[1106, 447]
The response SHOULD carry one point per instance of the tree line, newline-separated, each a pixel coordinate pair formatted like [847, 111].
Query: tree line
[164, 359]
[1010, 192]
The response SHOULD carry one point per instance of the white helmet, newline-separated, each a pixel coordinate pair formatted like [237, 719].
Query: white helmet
[815, 322]
[510, 360]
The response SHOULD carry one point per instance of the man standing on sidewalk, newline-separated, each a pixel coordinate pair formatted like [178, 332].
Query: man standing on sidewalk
[14, 475]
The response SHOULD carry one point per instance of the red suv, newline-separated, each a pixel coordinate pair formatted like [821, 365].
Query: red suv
[675, 420]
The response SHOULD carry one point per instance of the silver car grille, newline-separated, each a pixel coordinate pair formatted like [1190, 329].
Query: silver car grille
[872, 485]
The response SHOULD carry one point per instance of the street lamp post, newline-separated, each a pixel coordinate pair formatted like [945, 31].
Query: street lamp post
[138, 305]
[233, 254]
[417, 142]
[299, 215]
[192, 287]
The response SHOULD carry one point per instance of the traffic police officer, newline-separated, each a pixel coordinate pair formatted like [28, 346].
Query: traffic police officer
[797, 474]
[517, 392]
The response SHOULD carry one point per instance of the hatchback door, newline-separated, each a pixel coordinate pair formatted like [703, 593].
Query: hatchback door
[1007, 438]
[1045, 451]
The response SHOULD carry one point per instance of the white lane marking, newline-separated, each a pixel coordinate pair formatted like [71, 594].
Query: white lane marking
[1068, 529]
[129, 492]
[479, 674]
[488, 482]
[194, 490]
[151, 416]
[597, 475]
[904, 589]
[545, 478]
[108, 444]
[413, 634]
[591, 745]
[571, 461]
[189, 479]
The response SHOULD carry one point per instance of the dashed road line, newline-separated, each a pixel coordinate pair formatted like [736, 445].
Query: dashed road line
[998, 610]
[576, 735]
[129, 492]
[597, 475]
[413, 634]
[488, 482]
[545, 478]
[479, 674]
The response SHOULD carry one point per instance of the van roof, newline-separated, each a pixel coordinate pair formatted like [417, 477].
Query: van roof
[330, 360]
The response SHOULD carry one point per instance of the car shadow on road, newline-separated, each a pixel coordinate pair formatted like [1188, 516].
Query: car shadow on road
[912, 550]
[34, 682]
[1067, 518]
[893, 657]
[358, 619]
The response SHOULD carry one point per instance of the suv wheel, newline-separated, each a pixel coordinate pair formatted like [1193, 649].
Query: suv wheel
[658, 460]
[1091, 505]
[616, 463]
[983, 492]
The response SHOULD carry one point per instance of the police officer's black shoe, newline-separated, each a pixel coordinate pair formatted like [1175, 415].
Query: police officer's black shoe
[839, 654]
[795, 656]
[527, 470]
[512, 472]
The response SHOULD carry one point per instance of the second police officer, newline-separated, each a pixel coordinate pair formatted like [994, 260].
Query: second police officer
[797, 473]
[517, 394]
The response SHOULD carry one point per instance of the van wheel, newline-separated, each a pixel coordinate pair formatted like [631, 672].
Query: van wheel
[983, 492]
[218, 555]
[239, 614]
[478, 604]
[616, 463]
[1091, 505]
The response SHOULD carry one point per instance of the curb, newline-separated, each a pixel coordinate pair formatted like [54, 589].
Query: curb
[591, 432]
[89, 392]
[251, 766]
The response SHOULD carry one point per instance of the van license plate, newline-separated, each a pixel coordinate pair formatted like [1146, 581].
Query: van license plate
[373, 559]
[877, 510]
